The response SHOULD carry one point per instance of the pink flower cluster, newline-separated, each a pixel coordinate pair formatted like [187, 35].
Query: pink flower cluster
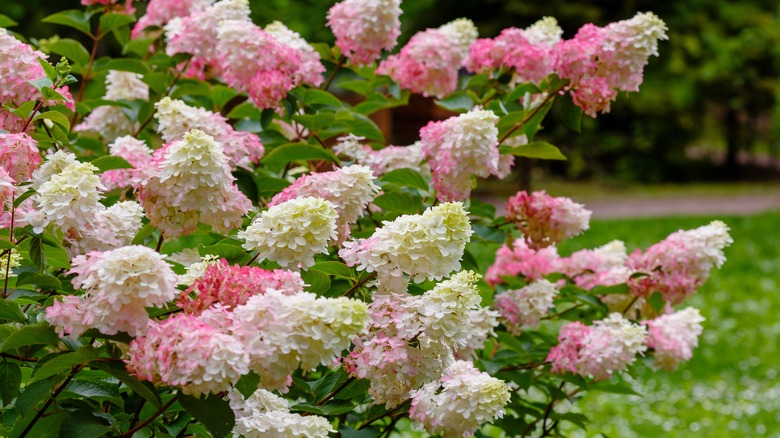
[530, 52]
[524, 308]
[119, 285]
[602, 266]
[679, 264]
[233, 285]
[546, 220]
[383, 160]
[599, 62]
[18, 65]
[430, 61]
[597, 351]
[272, 333]
[19, 156]
[160, 12]
[458, 148]
[520, 259]
[363, 28]
[674, 336]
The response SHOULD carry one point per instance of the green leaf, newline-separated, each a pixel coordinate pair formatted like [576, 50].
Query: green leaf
[313, 96]
[406, 178]
[377, 101]
[51, 72]
[401, 202]
[137, 386]
[110, 162]
[65, 362]
[72, 50]
[656, 301]
[613, 388]
[519, 92]
[221, 95]
[537, 149]
[571, 113]
[56, 256]
[269, 186]
[358, 124]
[41, 280]
[56, 117]
[5, 21]
[138, 46]
[24, 109]
[10, 380]
[36, 253]
[111, 21]
[246, 110]
[84, 424]
[355, 388]
[232, 253]
[349, 432]
[34, 334]
[327, 384]
[248, 384]
[247, 184]
[591, 301]
[298, 152]
[315, 122]
[127, 64]
[318, 282]
[10, 311]
[338, 269]
[330, 408]
[214, 412]
[621, 289]
[363, 88]
[459, 102]
[49, 94]
[72, 18]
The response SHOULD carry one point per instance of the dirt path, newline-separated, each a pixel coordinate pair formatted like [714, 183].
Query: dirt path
[624, 207]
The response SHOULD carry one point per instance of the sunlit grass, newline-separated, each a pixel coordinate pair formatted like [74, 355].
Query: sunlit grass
[731, 386]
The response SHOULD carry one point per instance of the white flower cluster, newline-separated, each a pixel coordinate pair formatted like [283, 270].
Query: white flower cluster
[113, 227]
[109, 120]
[545, 31]
[282, 331]
[422, 246]
[523, 308]
[311, 67]
[292, 232]
[265, 414]
[460, 402]
[68, 192]
[190, 180]
[443, 311]
[349, 189]
[463, 32]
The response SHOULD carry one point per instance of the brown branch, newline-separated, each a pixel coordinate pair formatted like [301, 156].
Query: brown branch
[359, 283]
[144, 423]
[551, 95]
[22, 358]
[54, 395]
[555, 315]
[386, 414]
[335, 70]
[85, 77]
[335, 391]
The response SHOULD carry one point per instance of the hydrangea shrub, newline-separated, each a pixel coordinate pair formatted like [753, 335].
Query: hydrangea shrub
[210, 236]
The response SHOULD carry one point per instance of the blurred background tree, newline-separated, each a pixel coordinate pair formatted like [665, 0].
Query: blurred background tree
[709, 108]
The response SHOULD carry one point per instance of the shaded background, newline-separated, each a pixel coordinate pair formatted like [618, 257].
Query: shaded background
[707, 111]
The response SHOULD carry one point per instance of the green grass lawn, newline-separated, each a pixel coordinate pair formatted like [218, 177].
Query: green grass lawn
[731, 387]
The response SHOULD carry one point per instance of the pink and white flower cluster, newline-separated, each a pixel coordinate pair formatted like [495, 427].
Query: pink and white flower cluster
[598, 351]
[523, 308]
[176, 118]
[363, 28]
[189, 181]
[546, 220]
[19, 156]
[383, 160]
[350, 189]
[421, 246]
[677, 266]
[530, 52]
[600, 61]
[457, 149]
[462, 399]
[413, 338]
[119, 285]
[265, 414]
[272, 333]
[18, 65]
[673, 337]
[522, 260]
[430, 61]
[136, 152]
